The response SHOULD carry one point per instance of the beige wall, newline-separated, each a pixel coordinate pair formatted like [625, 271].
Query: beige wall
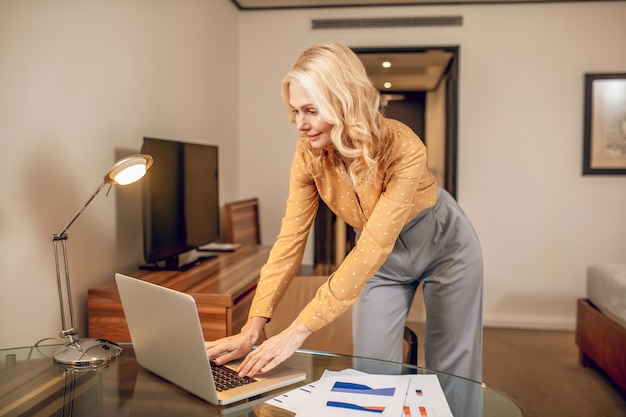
[520, 137]
[84, 82]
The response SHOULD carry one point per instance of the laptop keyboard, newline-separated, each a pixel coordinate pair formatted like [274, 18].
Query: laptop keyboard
[225, 378]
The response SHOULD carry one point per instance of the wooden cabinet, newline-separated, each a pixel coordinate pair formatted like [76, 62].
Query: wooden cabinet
[223, 288]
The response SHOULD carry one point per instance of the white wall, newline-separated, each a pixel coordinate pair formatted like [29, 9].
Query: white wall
[520, 137]
[81, 83]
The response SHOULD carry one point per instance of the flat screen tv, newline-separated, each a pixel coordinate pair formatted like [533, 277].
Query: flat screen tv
[180, 199]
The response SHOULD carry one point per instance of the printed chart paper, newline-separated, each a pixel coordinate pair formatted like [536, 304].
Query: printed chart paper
[423, 396]
[293, 399]
[362, 395]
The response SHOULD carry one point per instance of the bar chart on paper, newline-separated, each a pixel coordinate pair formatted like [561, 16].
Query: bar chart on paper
[351, 393]
[353, 388]
[363, 395]
[425, 398]
[422, 411]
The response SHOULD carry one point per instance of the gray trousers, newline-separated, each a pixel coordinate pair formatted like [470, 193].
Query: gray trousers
[439, 249]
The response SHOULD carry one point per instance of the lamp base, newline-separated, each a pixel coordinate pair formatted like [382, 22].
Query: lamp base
[87, 353]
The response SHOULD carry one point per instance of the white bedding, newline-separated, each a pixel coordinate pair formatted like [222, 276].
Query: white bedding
[606, 289]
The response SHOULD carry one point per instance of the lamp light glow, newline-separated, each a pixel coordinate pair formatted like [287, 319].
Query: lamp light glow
[130, 175]
[89, 352]
[128, 170]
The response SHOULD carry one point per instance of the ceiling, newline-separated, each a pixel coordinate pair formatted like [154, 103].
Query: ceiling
[295, 4]
[409, 71]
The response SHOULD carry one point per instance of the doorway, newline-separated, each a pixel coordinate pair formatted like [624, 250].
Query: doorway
[419, 87]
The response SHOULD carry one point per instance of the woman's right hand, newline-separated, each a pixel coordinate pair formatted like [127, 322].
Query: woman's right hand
[229, 348]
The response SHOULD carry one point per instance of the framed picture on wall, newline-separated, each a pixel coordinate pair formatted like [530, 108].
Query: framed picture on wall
[604, 144]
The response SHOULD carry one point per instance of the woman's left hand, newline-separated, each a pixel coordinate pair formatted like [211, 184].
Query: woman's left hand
[274, 350]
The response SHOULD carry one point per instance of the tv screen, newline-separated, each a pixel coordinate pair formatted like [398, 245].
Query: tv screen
[180, 200]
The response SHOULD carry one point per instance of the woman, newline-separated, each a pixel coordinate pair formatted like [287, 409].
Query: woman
[371, 172]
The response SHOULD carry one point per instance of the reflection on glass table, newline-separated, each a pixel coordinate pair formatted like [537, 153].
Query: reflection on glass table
[32, 384]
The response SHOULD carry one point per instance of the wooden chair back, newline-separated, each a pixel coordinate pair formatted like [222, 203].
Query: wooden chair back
[241, 221]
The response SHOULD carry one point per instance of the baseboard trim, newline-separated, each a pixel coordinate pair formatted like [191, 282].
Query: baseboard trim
[521, 323]
[551, 323]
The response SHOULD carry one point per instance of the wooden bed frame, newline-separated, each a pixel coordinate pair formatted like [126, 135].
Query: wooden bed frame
[601, 342]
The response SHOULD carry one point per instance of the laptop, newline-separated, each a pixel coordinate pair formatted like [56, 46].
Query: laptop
[168, 341]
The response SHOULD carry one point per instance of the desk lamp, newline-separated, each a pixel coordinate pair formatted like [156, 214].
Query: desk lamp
[90, 352]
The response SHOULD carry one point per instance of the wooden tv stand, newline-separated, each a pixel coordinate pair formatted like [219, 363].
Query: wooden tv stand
[223, 288]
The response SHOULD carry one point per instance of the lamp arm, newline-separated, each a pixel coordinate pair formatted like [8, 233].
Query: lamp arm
[78, 213]
[67, 332]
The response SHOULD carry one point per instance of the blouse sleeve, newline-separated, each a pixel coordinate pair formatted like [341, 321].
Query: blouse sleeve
[407, 189]
[286, 255]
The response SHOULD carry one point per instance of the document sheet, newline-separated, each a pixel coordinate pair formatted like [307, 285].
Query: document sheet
[354, 393]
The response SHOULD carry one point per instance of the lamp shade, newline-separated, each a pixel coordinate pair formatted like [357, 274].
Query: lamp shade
[128, 170]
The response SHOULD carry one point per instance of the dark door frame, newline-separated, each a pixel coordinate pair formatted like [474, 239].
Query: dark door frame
[324, 245]
[451, 123]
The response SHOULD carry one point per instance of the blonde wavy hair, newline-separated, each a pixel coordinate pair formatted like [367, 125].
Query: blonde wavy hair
[345, 97]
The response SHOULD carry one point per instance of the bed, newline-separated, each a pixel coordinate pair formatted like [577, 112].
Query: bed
[601, 322]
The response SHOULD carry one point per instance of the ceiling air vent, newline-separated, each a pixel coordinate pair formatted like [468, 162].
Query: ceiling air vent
[386, 22]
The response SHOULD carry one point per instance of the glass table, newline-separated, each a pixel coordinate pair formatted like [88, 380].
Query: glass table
[31, 384]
